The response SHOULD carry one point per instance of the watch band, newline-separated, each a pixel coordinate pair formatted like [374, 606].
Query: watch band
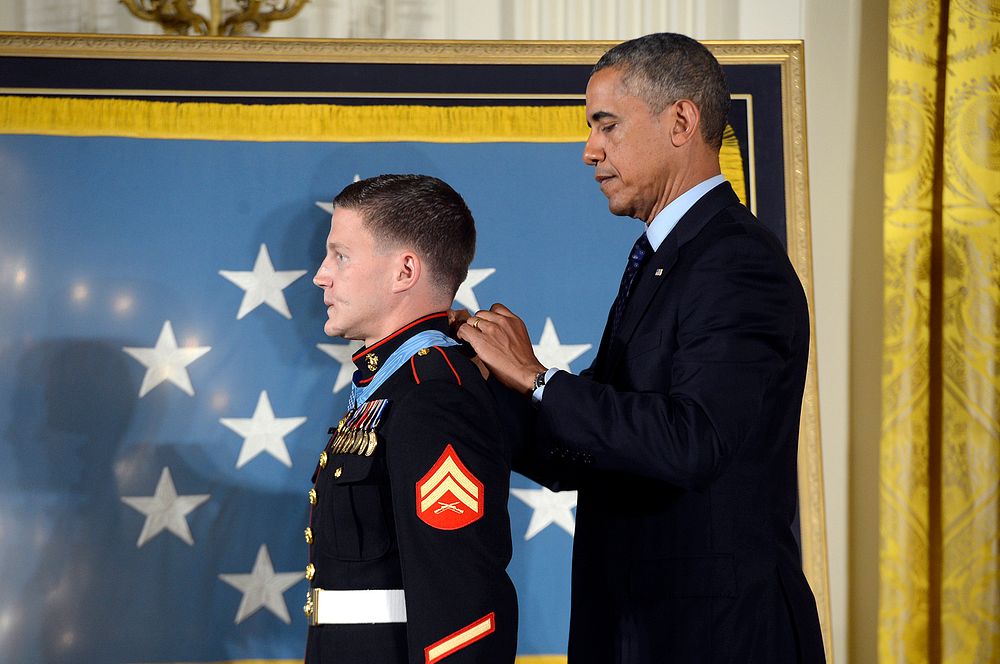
[539, 380]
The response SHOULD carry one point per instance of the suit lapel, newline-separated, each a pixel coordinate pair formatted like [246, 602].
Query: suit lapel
[657, 271]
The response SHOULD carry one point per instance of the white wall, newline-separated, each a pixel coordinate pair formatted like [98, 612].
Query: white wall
[845, 190]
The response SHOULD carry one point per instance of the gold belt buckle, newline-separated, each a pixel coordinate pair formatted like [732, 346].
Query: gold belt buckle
[311, 609]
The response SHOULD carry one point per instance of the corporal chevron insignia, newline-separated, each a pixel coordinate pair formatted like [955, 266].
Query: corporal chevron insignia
[449, 496]
[468, 635]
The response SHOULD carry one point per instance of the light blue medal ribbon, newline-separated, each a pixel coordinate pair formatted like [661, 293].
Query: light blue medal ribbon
[409, 348]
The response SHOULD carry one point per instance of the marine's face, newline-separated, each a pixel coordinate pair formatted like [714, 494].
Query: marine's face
[355, 278]
[629, 147]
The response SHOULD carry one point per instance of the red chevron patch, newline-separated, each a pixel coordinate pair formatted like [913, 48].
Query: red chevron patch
[449, 496]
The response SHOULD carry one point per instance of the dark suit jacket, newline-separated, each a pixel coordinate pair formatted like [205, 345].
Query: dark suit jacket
[682, 439]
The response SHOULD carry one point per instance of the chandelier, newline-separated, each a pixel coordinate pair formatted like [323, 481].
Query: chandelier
[226, 17]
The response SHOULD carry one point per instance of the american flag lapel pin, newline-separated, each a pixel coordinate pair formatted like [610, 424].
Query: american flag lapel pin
[659, 272]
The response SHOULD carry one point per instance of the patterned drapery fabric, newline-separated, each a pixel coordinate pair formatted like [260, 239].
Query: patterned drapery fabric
[939, 566]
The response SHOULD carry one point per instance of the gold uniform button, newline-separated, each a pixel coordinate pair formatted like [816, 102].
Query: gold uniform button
[310, 572]
[338, 472]
[309, 535]
[423, 351]
[312, 496]
[322, 459]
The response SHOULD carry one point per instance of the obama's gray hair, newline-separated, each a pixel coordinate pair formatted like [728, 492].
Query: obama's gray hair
[665, 67]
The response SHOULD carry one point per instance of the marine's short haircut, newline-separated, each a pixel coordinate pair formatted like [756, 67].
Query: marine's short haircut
[421, 212]
[665, 67]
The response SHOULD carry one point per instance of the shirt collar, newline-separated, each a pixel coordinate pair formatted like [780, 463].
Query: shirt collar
[369, 359]
[668, 217]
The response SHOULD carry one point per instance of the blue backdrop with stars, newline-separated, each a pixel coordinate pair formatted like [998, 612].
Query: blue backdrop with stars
[166, 385]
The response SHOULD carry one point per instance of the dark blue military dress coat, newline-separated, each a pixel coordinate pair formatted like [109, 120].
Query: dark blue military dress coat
[425, 512]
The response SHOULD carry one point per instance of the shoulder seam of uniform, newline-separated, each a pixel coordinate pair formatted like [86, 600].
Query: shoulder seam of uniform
[450, 365]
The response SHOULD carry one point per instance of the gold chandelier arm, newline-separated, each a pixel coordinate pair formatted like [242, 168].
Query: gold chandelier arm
[215, 18]
[179, 17]
[184, 13]
[139, 11]
[174, 16]
[253, 13]
[288, 9]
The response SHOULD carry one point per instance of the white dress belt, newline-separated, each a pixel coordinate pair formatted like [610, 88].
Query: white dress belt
[346, 607]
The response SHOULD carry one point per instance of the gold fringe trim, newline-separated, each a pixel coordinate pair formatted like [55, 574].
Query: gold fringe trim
[314, 123]
[291, 122]
[731, 161]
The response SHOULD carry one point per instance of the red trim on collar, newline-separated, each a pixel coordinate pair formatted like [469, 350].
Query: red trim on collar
[365, 351]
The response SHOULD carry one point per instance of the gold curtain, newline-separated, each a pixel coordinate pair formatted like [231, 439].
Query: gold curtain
[939, 566]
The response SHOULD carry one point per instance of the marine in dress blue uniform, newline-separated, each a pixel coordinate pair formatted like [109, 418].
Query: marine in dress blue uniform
[408, 533]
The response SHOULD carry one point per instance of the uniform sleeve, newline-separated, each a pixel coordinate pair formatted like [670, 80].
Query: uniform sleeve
[449, 471]
[740, 312]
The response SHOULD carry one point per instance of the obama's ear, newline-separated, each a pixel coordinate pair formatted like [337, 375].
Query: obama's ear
[686, 121]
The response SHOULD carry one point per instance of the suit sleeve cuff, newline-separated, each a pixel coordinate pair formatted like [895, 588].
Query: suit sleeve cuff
[536, 396]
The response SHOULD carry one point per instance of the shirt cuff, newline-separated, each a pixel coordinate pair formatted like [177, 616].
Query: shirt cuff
[536, 396]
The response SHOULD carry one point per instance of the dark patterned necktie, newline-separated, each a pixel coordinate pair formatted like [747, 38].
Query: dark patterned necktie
[641, 251]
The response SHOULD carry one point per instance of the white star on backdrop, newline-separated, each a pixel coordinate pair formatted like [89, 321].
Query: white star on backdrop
[548, 507]
[165, 510]
[262, 588]
[165, 361]
[263, 285]
[263, 432]
[342, 353]
[553, 354]
[465, 295]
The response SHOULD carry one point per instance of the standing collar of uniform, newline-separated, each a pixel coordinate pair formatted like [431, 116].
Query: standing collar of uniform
[668, 217]
[370, 359]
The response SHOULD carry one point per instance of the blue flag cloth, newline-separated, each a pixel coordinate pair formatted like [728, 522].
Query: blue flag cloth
[166, 387]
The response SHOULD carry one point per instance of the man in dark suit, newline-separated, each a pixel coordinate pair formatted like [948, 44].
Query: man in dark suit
[681, 437]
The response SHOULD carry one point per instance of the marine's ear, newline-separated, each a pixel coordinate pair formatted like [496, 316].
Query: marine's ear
[407, 271]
